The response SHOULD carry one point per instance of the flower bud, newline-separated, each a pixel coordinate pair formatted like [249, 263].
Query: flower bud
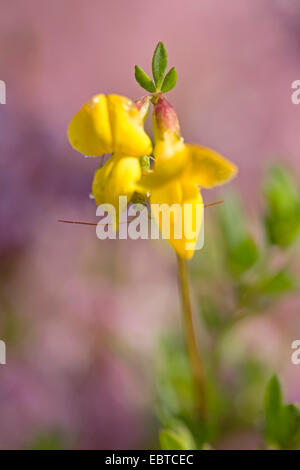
[169, 151]
[165, 119]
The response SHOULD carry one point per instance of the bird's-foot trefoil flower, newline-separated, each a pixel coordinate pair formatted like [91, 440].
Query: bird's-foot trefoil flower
[115, 124]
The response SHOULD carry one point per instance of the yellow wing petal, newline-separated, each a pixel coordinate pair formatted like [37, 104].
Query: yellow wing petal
[90, 130]
[207, 168]
[178, 211]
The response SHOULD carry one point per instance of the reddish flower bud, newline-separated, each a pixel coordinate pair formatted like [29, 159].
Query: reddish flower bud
[165, 118]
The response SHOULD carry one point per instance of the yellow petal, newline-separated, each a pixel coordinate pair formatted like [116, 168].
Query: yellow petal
[109, 124]
[117, 177]
[90, 131]
[170, 157]
[207, 168]
[178, 210]
[129, 137]
[100, 181]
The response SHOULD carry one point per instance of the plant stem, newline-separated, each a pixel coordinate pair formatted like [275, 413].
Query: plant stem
[191, 339]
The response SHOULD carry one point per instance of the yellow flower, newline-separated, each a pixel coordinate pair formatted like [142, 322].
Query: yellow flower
[179, 169]
[109, 124]
[114, 124]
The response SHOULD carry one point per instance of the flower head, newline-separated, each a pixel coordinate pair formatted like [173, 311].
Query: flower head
[114, 124]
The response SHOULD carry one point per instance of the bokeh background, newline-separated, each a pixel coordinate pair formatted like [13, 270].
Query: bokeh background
[83, 319]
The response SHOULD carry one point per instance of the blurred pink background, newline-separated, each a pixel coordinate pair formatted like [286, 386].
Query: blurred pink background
[82, 317]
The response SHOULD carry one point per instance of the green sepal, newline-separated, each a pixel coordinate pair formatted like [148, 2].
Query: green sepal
[145, 162]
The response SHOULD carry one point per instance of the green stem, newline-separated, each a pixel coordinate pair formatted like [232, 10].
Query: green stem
[191, 339]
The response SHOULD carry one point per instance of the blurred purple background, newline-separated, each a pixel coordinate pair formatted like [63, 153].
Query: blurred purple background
[82, 317]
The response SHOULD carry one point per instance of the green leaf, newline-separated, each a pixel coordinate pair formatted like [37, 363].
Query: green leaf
[291, 426]
[159, 64]
[170, 441]
[282, 218]
[169, 81]
[241, 250]
[243, 255]
[280, 190]
[282, 421]
[143, 80]
[273, 406]
[278, 283]
[180, 439]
